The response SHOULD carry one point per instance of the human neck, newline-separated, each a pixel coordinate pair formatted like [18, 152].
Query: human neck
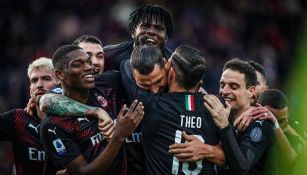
[174, 87]
[237, 112]
[80, 95]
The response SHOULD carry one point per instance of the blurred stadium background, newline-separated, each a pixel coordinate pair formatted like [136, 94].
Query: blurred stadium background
[270, 32]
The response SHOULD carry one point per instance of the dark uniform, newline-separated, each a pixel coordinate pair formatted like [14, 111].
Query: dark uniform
[166, 116]
[65, 138]
[248, 152]
[135, 152]
[295, 134]
[115, 54]
[23, 131]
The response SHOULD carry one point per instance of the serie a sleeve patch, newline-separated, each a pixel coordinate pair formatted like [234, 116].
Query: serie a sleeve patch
[256, 134]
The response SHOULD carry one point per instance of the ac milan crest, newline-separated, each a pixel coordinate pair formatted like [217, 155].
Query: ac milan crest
[103, 102]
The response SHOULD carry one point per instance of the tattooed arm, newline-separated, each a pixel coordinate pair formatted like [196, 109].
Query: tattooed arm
[57, 104]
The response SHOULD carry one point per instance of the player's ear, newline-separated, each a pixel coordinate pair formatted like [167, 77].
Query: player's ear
[133, 34]
[252, 91]
[59, 74]
[166, 64]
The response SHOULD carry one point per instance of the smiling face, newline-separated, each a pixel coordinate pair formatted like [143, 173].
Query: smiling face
[150, 32]
[41, 81]
[94, 51]
[233, 89]
[79, 73]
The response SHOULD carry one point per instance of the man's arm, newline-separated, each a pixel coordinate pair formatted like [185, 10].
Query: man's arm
[195, 150]
[57, 104]
[242, 122]
[61, 105]
[127, 121]
[285, 150]
[241, 155]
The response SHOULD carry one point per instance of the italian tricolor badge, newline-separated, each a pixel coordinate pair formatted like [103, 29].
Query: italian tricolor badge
[189, 102]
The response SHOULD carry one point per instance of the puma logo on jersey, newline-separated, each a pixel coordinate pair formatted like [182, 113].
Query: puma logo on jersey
[33, 127]
[259, 121]
[83, 119]
[53, 131]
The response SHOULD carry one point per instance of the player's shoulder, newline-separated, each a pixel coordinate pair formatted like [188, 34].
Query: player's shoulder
[107, 75]
[109, 79]
[262, 123]
[109, 49]
[14, 112]
[67, 124]
[167, 52]
[263, 126]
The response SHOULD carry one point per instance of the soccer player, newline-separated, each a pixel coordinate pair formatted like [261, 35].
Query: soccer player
[169, 114]
[76, 143]
[23, 129]
[93, 47]
[261, 85]
[246, 152]
[289, 142]
[244, 120]
[149, 24]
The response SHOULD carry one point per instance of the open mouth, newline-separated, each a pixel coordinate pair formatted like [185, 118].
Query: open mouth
[89, 78]
[147, 40]
[228, 99]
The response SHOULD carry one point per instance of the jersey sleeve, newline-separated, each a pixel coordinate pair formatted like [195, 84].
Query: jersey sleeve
[109, 79]
[59, 144]
[242, 154]
[132, 90]
[7, 125]
[115, 54]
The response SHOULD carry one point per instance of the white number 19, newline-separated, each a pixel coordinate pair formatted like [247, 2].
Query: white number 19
[185, 165]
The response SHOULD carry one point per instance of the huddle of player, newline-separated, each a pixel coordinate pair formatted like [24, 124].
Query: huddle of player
[78, 120]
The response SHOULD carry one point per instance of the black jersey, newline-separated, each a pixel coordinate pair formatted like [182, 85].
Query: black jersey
[23, 131]
[65, 138]
[166, 116]
[135, 152]
[248, 152]
[115, 54]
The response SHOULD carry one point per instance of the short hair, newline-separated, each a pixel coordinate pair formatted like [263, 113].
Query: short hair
[245, 68]
[61, 54]
[151, 12]
[274, 98]
[40, 63]
[189, 66]
[87, 39]
[145, 57]
[259, 68]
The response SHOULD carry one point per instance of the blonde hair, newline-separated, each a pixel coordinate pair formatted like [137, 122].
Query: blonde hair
[40, 63]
